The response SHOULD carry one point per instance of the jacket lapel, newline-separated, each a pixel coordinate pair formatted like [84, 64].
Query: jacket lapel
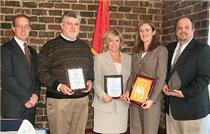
[139, 60]
[183, 55]
[20, 54]
[123, 64]
[110, 62]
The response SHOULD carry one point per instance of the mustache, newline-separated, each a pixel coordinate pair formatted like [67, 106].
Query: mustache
[183, 33]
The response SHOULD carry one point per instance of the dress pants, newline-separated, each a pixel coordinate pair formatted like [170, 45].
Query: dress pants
[199, 126]
[145, 121]
[67, 116]
[29, 114]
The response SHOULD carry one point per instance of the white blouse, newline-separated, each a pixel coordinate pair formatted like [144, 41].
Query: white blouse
[118, 67]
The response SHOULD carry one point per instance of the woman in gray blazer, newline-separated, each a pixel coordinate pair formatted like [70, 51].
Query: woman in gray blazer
[110, 115]
[149, 58]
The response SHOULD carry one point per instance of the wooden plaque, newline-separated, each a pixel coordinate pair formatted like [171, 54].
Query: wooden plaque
[142, 89]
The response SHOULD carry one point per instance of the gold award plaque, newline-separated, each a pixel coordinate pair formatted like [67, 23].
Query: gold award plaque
[142, 89]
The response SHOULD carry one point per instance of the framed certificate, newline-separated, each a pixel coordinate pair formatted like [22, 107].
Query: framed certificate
[113, 85]
[142, 89]
[76, 79]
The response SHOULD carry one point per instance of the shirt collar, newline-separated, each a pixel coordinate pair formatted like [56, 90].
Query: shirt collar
[71, 39]
[183, 45]
[20, 43]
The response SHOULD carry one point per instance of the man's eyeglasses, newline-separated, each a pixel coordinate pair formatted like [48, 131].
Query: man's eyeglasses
[23, 26]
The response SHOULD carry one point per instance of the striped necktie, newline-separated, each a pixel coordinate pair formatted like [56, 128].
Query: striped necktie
[27, 53]
[178, 53]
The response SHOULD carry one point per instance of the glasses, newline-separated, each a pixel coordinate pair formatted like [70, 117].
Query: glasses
[23, 26]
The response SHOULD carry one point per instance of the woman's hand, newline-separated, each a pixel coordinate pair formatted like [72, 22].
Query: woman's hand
[147, 104]
[107, 98]
[125, 97]
[166, 90]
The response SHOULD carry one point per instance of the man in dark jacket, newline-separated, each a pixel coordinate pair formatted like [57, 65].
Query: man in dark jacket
[188, 77]
[20, 88]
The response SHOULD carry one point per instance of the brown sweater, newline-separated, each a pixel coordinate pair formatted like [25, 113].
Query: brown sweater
[56, 56]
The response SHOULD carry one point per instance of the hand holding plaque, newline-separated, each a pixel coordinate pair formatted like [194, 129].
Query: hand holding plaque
[76, 79]
[142, 89]
[113, 85]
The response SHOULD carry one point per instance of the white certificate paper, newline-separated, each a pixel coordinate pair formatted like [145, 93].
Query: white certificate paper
[76, 78]
[114, 86]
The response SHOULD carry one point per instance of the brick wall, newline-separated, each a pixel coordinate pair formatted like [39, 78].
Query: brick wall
[198, 10]
[124, 16]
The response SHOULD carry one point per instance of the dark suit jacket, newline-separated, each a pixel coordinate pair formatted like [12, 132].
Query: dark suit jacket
[193, 67]
[18, 80]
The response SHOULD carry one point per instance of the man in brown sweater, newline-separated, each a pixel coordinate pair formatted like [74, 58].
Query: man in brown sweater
[67, 110]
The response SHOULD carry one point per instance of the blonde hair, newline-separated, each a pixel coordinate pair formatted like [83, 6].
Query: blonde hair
[111, 34]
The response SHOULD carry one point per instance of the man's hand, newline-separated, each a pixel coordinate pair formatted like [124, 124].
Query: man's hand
[28, 104]
[34, 99]
[177, 93]
[66, 90]
[89, 86]
[32, 102]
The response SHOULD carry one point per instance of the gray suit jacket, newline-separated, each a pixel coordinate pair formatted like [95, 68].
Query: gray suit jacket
[153, 65]
[104, 65]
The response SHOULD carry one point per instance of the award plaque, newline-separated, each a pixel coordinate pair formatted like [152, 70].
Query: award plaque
[76, 79]
[142, 89]
[174, 81]
[113, 85]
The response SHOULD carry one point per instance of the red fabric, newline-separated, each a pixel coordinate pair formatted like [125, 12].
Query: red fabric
[101, 26]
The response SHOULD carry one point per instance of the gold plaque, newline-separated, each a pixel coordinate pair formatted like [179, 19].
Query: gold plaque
[142, 89]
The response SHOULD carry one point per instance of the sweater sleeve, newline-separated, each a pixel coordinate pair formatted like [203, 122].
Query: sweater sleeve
[44, 70]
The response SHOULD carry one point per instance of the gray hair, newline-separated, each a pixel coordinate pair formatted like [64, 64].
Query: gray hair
[73, 14]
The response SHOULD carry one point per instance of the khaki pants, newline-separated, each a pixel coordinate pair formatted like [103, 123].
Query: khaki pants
[199, 126]
[67, 116]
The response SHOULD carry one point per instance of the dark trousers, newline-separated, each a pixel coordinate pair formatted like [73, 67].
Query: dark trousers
[29, 114]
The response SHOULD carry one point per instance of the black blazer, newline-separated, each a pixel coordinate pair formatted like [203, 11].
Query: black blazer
[18, 79]
[193, 67]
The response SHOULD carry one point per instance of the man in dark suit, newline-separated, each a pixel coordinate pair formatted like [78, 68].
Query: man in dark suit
[20, 89]
[188, 77]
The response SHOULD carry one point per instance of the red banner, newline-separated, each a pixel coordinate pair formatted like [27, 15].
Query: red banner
[101, 26]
